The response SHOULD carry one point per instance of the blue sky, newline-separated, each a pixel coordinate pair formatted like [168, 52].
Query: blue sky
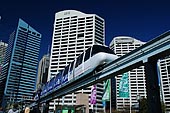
[141, 19]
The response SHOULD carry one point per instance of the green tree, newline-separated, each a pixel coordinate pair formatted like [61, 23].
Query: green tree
[163, 106]
[143, 106]
[144, 109]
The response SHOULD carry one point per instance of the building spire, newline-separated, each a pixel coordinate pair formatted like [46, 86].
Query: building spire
[48, 52]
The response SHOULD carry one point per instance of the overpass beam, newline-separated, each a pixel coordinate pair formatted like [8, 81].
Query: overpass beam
[152, 87]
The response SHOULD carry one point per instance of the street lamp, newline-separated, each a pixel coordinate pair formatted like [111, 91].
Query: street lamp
[39, 93]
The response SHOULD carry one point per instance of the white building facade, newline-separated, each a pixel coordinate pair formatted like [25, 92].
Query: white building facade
[73, 33]
[43, 70]
[3, 47]
[164, 66]
[137, 85]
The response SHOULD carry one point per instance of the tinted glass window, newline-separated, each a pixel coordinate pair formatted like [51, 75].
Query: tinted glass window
[79, 60]
[87, 54]
[59, 74]
[65, 71]
[71, 66]
[97, 49]
[168, 69]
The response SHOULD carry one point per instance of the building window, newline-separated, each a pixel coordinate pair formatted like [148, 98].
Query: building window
[168, 68]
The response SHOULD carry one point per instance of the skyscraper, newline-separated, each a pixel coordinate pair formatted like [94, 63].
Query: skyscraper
[137, 85]
[3, 47]
[19, 70]
[73, 33]
[164, 66]
[43, 70]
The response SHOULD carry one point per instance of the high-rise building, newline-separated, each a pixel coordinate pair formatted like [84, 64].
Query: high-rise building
[73, 33]
[5, 67]
[3, 47]
[43, 71]
[19, 70]
[137, 85]
[164, 66]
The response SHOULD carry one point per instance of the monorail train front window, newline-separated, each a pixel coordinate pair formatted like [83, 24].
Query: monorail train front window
[97, 49]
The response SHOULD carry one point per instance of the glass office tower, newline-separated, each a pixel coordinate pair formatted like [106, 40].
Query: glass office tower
[19, 70]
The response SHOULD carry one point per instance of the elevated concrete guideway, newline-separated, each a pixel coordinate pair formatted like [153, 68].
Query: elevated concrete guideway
[146, 55]
[153, 50]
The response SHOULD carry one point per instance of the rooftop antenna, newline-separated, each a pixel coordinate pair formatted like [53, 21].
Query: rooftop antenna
[48, 52]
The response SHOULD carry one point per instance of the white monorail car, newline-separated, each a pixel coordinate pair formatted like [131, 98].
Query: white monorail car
[91, 59]
[94, 57]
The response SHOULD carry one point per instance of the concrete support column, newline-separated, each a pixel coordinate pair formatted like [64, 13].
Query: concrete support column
[152, 87]
[46, 107]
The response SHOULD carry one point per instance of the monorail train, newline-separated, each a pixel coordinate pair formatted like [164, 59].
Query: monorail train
[87, 62]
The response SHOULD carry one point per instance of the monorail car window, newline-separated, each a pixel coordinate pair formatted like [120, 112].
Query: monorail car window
[79, 60]
[87, 54]
[59, 74]
[71, 66]
[65, 70]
